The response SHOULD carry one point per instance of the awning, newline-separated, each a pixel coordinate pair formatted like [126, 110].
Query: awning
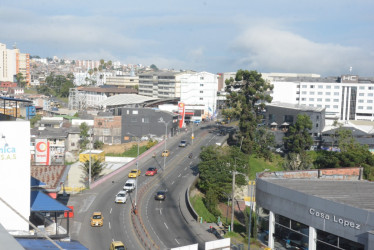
[273, 124]
[285, 124]
[40, 202]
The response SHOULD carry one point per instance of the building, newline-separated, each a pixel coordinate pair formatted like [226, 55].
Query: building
[107, 128]
[315, 209]
[200, 89]
[348, 97]
[160, 84]
[279, 116]
[138, 122]
[123, 81]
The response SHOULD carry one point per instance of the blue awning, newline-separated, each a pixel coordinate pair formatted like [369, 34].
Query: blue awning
[40, 202]
[37, 244]
[37, 183]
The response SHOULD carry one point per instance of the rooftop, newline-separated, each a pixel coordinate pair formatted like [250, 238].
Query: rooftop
[295, 106]
[357, 194]
[126, 99]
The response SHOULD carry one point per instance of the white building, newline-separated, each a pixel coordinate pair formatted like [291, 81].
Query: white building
[348, 97]
[200, 89]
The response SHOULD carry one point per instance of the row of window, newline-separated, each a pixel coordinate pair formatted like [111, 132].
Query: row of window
[318, 93]
[335, 87]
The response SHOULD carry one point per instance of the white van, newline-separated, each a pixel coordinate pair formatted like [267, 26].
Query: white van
[130, 185]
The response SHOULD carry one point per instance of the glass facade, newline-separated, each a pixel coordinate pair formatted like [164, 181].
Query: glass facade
[291, 234]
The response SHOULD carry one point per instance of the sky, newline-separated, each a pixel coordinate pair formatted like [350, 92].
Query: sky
[325, 37]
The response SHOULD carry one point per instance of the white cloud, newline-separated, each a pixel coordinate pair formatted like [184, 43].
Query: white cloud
[271, 49]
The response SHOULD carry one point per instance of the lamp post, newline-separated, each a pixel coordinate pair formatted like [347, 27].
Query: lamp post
[89, 164]
[227, 210]
[166, 132]
[137, 171]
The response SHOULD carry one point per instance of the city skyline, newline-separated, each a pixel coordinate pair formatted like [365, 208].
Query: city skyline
[320, 37]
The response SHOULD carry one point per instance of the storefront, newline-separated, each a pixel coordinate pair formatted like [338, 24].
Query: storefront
[316, 211]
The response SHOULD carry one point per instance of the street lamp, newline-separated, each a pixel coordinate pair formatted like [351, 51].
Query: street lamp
[137, 171]
[227, 210]
[89, 164]
[161, 120]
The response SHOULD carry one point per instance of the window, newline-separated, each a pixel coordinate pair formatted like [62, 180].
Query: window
[201, 78]
[72, 144]
[360, 101]
[370, 88]
[319, 99]
[303, 86]
[328, 93]
[327, 106]
[303, 99]
[201, 91]
[201, 85]
[370, 94]
[328, 86]
[369, 101]
[145, 120]
[312, 86]
[201, 99]
[336, 87]
[133, 119]
[320, 86]
[369, 107]
[360, 107]
[336, 93]
[327, 100]
[134, 112]
[311, 99]
[362, 87]
[319, 106]
[336, 100]
[311, 93]
[361, 94]
[303, 92]
[320, 93]
[335, 106]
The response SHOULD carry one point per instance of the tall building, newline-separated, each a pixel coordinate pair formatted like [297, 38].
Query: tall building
[348, 97]
[12, 62]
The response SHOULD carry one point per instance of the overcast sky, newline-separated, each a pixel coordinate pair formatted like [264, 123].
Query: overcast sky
[324, 37]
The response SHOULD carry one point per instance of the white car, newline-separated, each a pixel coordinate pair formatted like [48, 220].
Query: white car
[183, 143]
[130, 185]
[121, 197]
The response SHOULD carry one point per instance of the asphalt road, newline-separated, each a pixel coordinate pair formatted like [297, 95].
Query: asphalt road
[162, 220]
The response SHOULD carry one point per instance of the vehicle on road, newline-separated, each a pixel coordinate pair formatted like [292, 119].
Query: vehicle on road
[130, 185]
[117, 245]
[121, 197]
[190, 155]
[97, 219]
[183, 144]
[165, 153]
[134, 173]
[151, 171]
[160, 195]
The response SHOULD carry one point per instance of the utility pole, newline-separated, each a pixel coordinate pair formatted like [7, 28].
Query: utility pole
[232, 199]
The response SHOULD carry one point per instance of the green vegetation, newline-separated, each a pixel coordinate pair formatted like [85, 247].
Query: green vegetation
[132, 152]
[198, 204]
[57, 85]
[96, 168]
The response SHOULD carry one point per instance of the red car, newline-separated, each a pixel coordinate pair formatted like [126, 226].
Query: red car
[151, 171]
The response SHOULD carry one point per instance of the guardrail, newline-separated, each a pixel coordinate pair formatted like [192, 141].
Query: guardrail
[188, 203]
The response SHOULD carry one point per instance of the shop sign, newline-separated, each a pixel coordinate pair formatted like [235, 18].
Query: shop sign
[335, 219]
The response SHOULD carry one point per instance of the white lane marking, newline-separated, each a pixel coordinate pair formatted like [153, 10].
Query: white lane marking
[172, 183]
[179, 175]
[110, 210]
[161, 211]
[185, 168]
[87, 203]
[177, 241]
[166, 225]
[109, 225]
[112, 240]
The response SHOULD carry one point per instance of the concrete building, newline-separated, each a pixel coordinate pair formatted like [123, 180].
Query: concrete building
[348, 97]
[315, 209]
[160, 84]
[123, 81]
[107, 128]
[200, 89]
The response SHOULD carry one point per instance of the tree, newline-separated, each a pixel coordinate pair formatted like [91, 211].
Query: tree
[96, 168]
[20, 80]
[297, 141]
[84, 134]
[264, 141]
[35, 119]
[98, 144]
[153, 67]
[246, 100]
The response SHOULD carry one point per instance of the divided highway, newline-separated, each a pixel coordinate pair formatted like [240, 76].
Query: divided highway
[162, 226]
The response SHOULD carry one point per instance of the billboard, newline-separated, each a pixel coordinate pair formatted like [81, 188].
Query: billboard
[15, 174]
[42, 152]
[181, 109]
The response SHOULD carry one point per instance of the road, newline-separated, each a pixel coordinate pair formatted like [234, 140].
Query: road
[162, 220]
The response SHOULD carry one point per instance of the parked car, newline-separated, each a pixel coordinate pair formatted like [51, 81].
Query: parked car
[97, 219]
[130, 185]
[151, 171]
[134, 173]
[121, 197]
[160, 195]
[165, 153]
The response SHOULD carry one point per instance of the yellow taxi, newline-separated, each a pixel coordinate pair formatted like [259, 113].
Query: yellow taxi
[97, 219]
[134, 173]
[165, 153]
[117, 245]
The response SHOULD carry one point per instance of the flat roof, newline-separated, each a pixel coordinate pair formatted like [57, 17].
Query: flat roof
[295, 106]
[358, 194]
[126, 99]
